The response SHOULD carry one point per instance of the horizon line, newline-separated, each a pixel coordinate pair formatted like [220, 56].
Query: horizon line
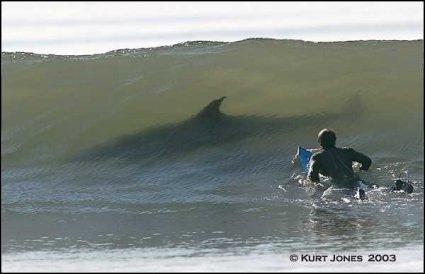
[221, 42]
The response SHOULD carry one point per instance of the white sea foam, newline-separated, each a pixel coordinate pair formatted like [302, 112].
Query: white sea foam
[409, 259]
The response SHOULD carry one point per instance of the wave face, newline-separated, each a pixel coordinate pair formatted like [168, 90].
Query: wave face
[109, 151]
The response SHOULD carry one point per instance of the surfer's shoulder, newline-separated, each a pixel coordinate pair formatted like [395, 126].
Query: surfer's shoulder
[347, 149]
[316, 153]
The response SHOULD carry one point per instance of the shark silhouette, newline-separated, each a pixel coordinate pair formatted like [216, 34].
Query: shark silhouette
[209, 127]
[212, 110]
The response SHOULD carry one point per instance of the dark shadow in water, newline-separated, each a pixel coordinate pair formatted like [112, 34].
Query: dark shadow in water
[209, 128]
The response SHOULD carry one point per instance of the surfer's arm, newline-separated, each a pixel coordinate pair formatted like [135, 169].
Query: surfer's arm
[313, 171]
[360, 158]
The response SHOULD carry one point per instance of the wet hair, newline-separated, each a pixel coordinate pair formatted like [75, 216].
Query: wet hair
[326, 138]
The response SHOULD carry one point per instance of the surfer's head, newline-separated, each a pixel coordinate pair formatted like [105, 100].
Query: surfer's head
[326, 138]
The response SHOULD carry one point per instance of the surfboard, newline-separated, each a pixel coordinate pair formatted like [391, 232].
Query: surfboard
[304, 158]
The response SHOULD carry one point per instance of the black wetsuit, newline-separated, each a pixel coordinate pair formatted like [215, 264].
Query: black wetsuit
[336, 163]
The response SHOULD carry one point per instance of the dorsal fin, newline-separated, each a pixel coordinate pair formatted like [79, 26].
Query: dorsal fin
[212, 110]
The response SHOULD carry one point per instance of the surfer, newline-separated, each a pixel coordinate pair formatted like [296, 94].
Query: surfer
[337, 163]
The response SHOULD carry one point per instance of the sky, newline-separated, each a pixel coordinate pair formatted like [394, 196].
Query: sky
[97, 27]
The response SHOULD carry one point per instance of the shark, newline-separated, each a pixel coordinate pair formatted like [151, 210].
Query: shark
[208, 128]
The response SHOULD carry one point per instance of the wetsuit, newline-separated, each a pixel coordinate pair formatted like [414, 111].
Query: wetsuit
[336, 163]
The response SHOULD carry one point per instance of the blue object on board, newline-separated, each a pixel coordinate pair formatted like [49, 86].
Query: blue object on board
[304, 157]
